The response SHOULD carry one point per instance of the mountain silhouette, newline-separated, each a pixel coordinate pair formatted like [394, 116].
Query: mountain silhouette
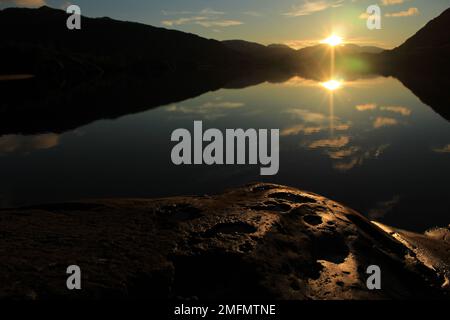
[426, 51]
[39, 42]
[435, 35]
[422, 64]
[274, 54]
[342, 49]
[113, 68]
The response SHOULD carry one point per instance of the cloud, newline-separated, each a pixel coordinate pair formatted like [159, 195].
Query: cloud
[444, 149]
[206, 18]
[342, 127]
[299, 82]
[343, 153]
[364, 16]
[330, 143]
[309, 7]
[177, 13]
[312, 122]
[382, 208]
[355, 156]
[400, 110]
[395, 109]
[300, 128]
[366, 107]
[25, 3]
[408, 13]
[181, 21]
[307, 116]
[384, 122]
[341, 149]
[206, 11]
[26, 144]
[299, 44]
[202, 21]
[209, 110]
[222, 105]
[65, 5]
[310, 129]
[391, 2]
[219, 23]
[252, 13]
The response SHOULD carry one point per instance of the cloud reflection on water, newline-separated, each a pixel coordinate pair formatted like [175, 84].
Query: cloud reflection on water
[25, 144]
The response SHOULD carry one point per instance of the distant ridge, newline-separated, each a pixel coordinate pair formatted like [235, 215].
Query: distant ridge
[277, 54]
[259, 49]
[38, 37]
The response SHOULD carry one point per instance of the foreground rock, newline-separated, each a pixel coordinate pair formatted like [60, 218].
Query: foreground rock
[260, 241]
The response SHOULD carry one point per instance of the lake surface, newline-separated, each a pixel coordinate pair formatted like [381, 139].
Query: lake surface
[370, 144]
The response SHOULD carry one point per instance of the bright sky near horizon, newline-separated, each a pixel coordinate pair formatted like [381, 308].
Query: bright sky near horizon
[297, 23]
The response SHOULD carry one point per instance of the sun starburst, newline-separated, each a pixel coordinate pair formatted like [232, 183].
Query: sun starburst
[333, 40]
[332, 85]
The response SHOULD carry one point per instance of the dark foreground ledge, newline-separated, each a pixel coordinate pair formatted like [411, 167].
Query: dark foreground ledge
[257, 242]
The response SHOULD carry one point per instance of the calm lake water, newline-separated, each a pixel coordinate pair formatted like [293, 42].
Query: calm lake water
[370, 144]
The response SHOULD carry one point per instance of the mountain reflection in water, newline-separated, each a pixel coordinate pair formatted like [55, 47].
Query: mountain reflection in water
[369, 143]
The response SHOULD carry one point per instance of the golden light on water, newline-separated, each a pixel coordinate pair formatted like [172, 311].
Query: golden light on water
[332, 85]
[333, 40]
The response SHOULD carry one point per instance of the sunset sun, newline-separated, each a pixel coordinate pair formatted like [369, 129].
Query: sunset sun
[332, 85]
[333, 40]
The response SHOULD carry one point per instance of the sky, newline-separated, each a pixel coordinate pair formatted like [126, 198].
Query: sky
[297, 23]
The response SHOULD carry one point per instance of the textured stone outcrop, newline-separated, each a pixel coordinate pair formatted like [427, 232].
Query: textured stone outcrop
[260, 241]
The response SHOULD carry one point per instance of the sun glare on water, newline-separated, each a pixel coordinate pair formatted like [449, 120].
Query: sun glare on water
[333, 40]
[332, 85]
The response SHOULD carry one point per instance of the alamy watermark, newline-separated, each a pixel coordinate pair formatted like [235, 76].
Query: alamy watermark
[74, 20]
[191, 149]
[373, 15]
[74, 280]
[374, 280]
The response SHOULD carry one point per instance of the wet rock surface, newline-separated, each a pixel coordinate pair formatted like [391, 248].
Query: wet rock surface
[260, 241]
